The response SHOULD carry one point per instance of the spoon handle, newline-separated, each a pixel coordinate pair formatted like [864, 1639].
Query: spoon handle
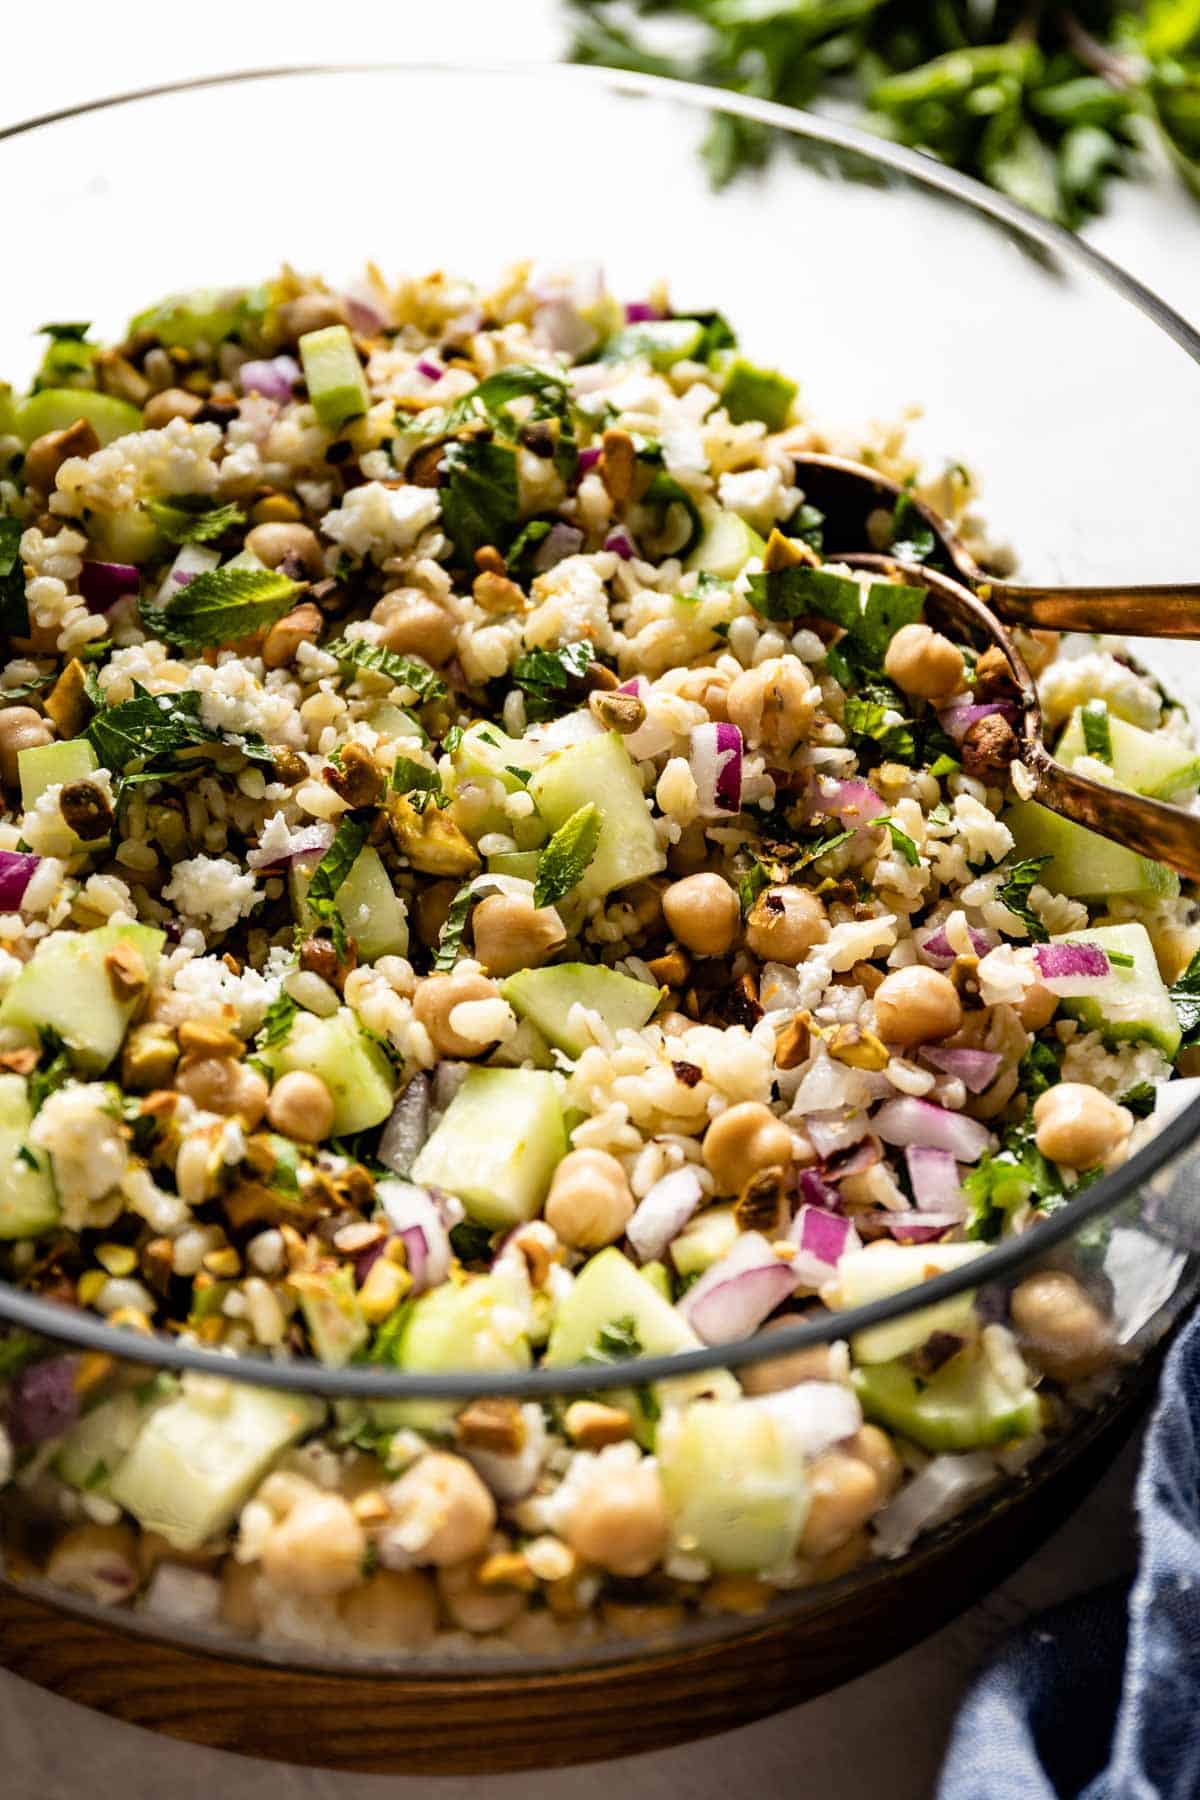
[1169, 610]
[1152, 828]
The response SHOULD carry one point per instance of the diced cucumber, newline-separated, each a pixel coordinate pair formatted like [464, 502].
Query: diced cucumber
[885, 1269]
[28, 1202]
[1083, 864]
[750, 392]
[521, 863]
[663, 342]
[498, 1144]
[736, 1484]
[204, 316]
[370, 908]
[1149, 762]
[8, 410]
[476, 1325]
[704, 1240]
[54, 409]
[197, 1460]
[1133, 1005]
[726, 545]
[336, 384]
[485, 750]
[130, 536]
[659, 1277]
[609, 1291]
[92, 1449]
[964, 1405]
[352, 1066]
[329, 1302]
[599, 769]
[47, 765]
[546, 997]
[67, 987]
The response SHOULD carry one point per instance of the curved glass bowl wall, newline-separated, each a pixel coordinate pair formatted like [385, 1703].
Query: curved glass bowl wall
[883, 283]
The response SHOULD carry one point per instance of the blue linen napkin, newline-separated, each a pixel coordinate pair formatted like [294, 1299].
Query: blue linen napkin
[1100, 1699]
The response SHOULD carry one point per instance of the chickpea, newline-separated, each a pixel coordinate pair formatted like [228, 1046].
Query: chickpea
[309, 312]
[844, 1492]
[47, 454]
[511, 933]
[171, 403]
[218, 1084]
[620, 1523]
[703, 913]
[916, 1006]
[301, 625]
[238, 1606]
[784, 924]
[924, 663]
[1038, 1006]
[396, 1609]
[20, 729]
[770, 703]
[433, 905]
[1062, 1325]
[874, 1447]
[589, 1204]
[317, 1548]
[444, 1496]
[436, 998]
[415, 625]
[301, 1106]
[1079, 1126]
[816, 1364]
[98, 1561]
[275, 544]
[741, 1141]
[474, 1607]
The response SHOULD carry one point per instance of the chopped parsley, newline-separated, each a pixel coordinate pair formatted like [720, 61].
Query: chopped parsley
[1037, 1070]
[1140, 1099]
[1001, 1182]
[54, 1073]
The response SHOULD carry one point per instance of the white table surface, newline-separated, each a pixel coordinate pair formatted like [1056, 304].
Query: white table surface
[888, 1727]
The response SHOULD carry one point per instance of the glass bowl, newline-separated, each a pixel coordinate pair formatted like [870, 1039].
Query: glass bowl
[884, 282]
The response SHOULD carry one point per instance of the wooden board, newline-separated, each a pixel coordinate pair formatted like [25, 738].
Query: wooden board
[491, 1723]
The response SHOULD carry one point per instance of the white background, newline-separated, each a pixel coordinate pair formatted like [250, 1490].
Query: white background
[884, 1732]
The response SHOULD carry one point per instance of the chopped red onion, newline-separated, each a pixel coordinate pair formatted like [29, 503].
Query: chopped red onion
[910, 1227]
[621, 544]
[42, 1400]
[956, 721]
[1071, 970]
[734, 1296]
[404, 1135]
[830, 1132]
[102, 584]
[855, 1160]
[412, 1212]
[821, 1238]
[428, 369]
[559, 542]
[663, 1212]
[934, 1177]
[937, 948]
[589, 458]
[715, 758]
[16, 872]
[906, 1120]
[976, 1069]
[636, 685]
[361, 315]
[852, 803]
[307, 841]
[275, 377]
[366, 1259]
[816, 1191]
[642, 312]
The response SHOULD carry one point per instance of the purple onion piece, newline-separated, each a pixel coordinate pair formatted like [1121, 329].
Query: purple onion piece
[42, 1401]
[642, 312]
[1071, 969]
[937, 948]
[275, 377]
[589, 458]
[976, 1069]
[16, 872]
[905, 1121]
[816, 1191]
[403, 1137]
[621, 544]
[935, 1183]
[102, 584]
[429, 370]
[559, 542]
[852, 803]
[309, 841]
[956, 721]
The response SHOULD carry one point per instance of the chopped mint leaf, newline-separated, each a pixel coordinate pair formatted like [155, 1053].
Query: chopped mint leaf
[1014, 893]
[152, 731]
[385, 1347]
[1186, 997]
[277, 1022]
[865, 719]
[480, 496]
[25, 1155]
[422, 786]
[912, 538]
[405, 671]
[452, 740]
[545, 676]
[945, 765]
[890, 606]
[73, 332]
[615, 1342]
[332, 870]
[663, 495]
[563, 861]
[54, 1072]
[1037, 1070]
[807, 524]
[25, 690]
[193, 518]
[220, 606]
[901, 841]
[752, 884]
[799, 591]
[1140, 1099]
[454, 929]
[14, 613]
[1097, 737]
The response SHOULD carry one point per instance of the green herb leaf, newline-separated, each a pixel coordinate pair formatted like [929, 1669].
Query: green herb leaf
[14, 613]
[900, 841]
[471, 1242]
[53, 1072]
[865, 719]
[807, 524]
[664, 538]
[220, 606]
[277, 1022]
[1037, 1070]
[544, 676]
[419, 784]
[562, 863]
[890, 606]
[480, 496]
[332, 871]
[405, 671]
[944, 765]
[615, 1342]
[1019, 878]
[193, 518]
[1185, 994]
[454, 929]
[16, 1349]
[1097, 737]
[799, 591]
[148, 727]
[1140, 1099]
[912, 538]
[1004, 1180]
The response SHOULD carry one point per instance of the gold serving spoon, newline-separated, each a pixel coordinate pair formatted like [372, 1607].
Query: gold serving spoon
[848, 493]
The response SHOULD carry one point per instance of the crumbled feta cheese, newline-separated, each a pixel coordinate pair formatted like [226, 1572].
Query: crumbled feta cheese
[212, 889]
[379, 521]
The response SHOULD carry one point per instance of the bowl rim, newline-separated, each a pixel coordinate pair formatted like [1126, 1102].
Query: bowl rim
[85, 1331]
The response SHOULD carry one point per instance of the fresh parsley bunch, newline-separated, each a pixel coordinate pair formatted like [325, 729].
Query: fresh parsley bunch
[1043, 102]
